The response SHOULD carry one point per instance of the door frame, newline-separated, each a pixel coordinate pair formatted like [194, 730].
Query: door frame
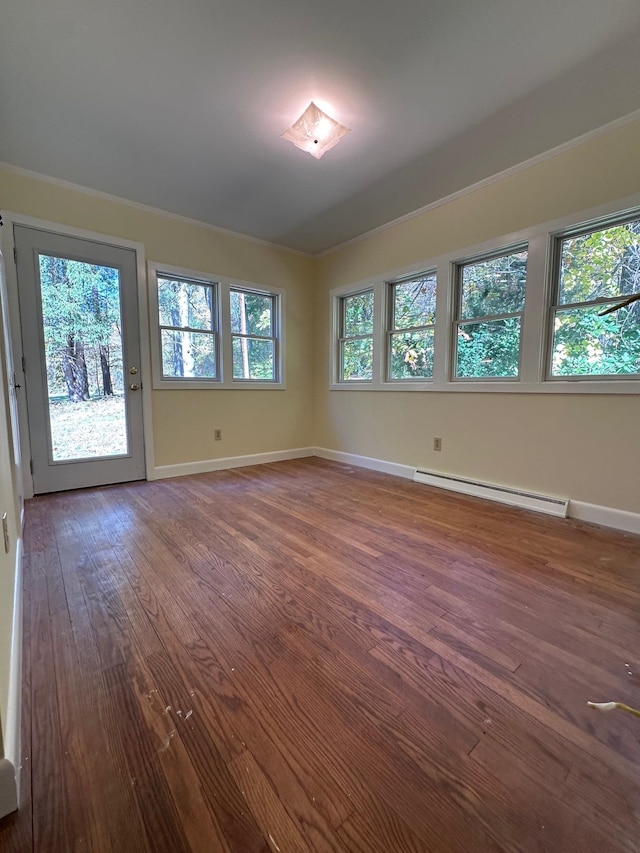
[7, 241]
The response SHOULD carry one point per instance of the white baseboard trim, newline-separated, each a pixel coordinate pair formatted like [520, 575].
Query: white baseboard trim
[607, 516]
[204, 466]
[381, 465]
[593, 513]
[11, 763]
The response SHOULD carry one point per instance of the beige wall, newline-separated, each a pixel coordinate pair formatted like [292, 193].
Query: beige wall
[183, 421]
[553, 443]
[584, 447]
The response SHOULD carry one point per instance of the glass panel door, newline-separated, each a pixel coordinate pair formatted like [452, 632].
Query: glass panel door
[80, 336]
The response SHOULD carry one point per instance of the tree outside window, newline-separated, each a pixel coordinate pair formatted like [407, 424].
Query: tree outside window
[595, 271]
[491, 295]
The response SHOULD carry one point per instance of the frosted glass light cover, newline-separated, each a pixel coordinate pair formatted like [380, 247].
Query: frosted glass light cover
[315, 132]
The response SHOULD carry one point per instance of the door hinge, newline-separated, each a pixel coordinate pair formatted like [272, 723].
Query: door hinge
[23, 364]
[15, 256]
[31, 466]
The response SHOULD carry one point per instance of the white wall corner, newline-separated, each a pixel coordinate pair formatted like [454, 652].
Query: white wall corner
[8, 787]
[11, 761]
[605, 515]
[205, 466]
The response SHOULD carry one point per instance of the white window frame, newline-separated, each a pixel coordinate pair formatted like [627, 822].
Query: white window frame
[535, 330]
[343, 338]
[392, 329]
[555, 306]
[224, 286]
[274, 336]
[484, 318]
[214, 331]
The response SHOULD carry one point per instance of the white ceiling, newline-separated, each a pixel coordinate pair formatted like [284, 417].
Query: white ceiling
[180, 104]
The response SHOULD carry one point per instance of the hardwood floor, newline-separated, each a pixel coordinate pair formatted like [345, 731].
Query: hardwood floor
[309, 657]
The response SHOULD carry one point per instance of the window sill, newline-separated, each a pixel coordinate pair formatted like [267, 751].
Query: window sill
[214, 385]
[555, 386]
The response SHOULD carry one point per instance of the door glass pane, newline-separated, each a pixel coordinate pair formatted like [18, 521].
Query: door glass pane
[81, 321]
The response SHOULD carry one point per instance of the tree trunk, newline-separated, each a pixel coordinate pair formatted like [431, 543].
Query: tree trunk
[185, 337]
[178, 365]
[75, 370]
[105, 366]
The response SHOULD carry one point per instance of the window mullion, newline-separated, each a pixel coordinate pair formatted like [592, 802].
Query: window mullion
[445, 300]
[533, 348]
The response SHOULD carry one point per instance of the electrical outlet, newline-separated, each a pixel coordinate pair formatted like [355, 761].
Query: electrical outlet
[217, 435]
[437, 444]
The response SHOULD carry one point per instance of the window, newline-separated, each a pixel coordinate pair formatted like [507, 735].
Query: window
[253, 335]
[412, 317]
[596, 271]
[213, 332]
[188, 322]
[356, 337]
[491, 294]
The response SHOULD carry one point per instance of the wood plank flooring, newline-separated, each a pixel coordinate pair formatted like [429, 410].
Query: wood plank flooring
[309, 657]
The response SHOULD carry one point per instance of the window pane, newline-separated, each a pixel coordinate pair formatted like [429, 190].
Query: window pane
[253, 359]
[357, 359]
[489, 349]
[412, 355]
[358, 314]
[251, 313]
[600, 264]
[188, 354]
[184, 304]
[414, 303]
[495, 286]
[585, 344]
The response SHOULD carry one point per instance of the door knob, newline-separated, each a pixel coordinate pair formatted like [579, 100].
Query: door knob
[134, 386]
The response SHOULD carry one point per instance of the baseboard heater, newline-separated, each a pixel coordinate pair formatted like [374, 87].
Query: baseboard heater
[502, 494]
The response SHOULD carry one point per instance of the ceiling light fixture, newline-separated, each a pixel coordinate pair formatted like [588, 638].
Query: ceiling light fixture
[315, 132]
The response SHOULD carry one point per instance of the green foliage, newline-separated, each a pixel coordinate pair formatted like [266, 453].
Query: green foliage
[357, 315]
[489, 349]
[585, 344]
[357, 352]
[412, 355]
[414, 315]
[188, 347]
[357, 359]
[600, 265]
[81, 323]
[252, 335]
[251, 313]
[495, 286]
[603, 264]
[253, 358]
